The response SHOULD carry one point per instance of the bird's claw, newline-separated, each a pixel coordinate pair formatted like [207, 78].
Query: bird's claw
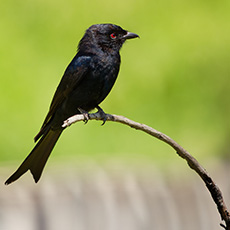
[85, 115]
[102, 114]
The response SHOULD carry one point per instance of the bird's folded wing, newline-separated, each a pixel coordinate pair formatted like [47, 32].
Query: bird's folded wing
[73, 75]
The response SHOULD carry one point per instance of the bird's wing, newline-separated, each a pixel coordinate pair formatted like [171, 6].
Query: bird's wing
[74, 73]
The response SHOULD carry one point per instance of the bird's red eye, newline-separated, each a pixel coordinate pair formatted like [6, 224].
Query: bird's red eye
[113, 35]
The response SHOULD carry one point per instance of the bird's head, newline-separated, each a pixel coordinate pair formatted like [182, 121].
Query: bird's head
[107, 37]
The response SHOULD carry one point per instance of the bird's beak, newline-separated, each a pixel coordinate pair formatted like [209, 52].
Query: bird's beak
[130, 35]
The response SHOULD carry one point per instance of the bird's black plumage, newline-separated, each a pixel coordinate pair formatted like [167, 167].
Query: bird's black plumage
[85, 84]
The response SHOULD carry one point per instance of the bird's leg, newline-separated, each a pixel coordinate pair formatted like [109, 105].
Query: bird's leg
[102, 114]
[85, 114]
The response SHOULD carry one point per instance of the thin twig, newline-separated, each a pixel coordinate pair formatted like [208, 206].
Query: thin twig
[192, 162]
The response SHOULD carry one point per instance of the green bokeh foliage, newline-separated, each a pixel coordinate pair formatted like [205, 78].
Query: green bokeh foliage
[175, 78]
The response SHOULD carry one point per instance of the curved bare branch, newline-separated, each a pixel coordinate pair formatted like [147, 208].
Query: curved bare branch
[192, 162]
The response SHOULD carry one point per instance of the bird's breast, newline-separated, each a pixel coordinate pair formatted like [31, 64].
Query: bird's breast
[95, 85]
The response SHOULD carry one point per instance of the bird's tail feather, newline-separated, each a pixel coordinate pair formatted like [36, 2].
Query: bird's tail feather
[36, 160]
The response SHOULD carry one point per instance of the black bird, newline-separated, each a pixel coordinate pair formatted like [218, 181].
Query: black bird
[85, 84]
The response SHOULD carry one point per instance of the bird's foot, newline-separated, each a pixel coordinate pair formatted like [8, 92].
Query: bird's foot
[85, 114]
[102, 114]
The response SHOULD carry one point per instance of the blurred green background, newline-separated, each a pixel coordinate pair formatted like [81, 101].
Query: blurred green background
[175, 78]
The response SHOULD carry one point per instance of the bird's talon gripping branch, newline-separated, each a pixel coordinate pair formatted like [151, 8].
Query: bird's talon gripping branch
[102, 114]
[85, 114]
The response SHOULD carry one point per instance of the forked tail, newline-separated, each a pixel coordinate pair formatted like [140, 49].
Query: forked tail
[36, 160]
